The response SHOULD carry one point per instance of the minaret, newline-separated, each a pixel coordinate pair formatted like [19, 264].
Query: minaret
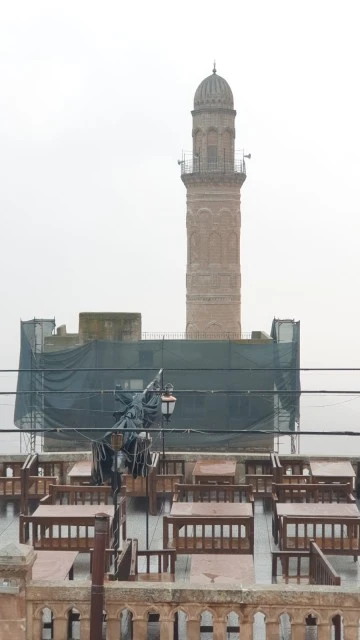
[213, 175]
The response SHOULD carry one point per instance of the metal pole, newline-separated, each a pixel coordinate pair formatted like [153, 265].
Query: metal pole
[116, 444]
[147, 500]
[97, 577]
[162, 418]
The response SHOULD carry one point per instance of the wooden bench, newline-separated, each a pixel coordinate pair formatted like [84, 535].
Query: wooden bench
[213, 493]
[332, 471]
[325, 493]
[157, 482]
[212, 534]
[333, 535]
[41, 466]
[27, 486]
[71, 494]
[54, 565]
[214, 472]
[12, 485]
[259, 474]
[304, 567]
[80, 473]
[130, 558]
[163, 558]
[288, 471]
[68, 527]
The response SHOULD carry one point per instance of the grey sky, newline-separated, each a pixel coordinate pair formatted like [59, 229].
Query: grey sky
[95, 104]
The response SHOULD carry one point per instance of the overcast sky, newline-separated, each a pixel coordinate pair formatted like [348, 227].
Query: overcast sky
[95, 101]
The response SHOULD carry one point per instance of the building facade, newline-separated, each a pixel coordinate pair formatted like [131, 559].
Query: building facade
[213, 174]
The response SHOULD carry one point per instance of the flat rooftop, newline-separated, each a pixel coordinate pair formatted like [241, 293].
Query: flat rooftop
[348, 570]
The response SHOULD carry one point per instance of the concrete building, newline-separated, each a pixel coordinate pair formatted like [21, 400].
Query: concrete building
[124, 327]
[213, 175]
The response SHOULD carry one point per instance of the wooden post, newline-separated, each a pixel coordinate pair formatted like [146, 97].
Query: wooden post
[97, 576]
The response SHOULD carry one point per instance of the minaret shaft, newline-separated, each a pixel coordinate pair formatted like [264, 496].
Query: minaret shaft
[213, 177]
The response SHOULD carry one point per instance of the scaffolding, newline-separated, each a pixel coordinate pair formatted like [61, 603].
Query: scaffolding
[285, 409]
[36, 330]
[229, 384]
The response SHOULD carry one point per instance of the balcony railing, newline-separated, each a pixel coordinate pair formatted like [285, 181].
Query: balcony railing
[196, 336]
[192, 163]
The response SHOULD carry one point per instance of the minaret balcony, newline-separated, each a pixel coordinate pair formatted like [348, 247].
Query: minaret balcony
[195, 164]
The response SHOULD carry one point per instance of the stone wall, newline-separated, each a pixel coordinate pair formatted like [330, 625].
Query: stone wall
[125, 327]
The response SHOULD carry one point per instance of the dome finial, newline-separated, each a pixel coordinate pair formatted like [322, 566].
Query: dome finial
[214, 68]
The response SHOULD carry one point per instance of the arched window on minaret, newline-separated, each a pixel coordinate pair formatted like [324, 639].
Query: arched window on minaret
[227, 150]
[194, 248]
[197, 149]
[214, 248]
[212, 149]
[232, 248]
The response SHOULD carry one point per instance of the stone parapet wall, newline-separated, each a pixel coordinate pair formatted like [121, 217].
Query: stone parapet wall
[324, 605]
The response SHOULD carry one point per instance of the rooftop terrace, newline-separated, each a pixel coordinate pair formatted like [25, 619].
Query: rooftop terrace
[272, 610]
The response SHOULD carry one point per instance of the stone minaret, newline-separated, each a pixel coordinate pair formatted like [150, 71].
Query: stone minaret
[213, 175]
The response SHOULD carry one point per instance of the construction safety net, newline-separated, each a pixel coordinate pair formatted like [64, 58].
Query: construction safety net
[222, 386]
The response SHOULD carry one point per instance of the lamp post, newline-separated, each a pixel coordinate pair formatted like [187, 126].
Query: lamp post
[167, 409]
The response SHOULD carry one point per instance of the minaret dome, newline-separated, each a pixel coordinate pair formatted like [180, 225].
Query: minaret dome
[213, 93]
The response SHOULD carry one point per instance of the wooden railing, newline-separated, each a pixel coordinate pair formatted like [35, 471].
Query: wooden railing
[294, 566]
[191, 534]
[72, 494]
[325, 493]
[321, 571]
[334, 535]
[162, 476]
[304, 567]
[164, 568]
[213, 493]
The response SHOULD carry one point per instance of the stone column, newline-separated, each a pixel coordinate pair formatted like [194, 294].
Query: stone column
[323, 631]
[112, 628]
[298, 630]
[219, 629]
[246, 623]
[350, 631]
[272, 630]
[60, 627]
[166, 629]
[36, 628]
[193, 629]
[16, 561]
[84, 627]
[140, 628]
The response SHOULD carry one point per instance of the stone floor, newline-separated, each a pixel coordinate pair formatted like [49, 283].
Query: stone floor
[348, 570]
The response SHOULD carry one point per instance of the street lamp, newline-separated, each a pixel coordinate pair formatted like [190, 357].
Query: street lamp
[167, 409]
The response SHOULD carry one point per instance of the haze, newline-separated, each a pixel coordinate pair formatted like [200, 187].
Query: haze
[95, 105]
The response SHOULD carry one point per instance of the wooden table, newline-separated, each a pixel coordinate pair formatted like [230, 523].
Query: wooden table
[321, 509]
[214, 471]
[54, 565]
[211, 509]
[334, 526]
[64, 527]
[209, 527]
[80, 472]
[222, 569]
[336, 471]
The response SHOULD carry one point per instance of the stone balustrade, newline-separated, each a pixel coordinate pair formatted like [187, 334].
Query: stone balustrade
[330, 608]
